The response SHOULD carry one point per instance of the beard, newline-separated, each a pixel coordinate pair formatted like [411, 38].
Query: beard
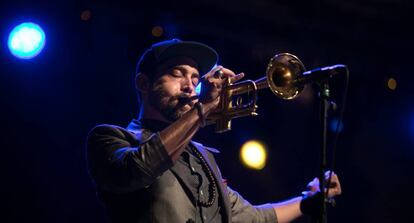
[171, 107]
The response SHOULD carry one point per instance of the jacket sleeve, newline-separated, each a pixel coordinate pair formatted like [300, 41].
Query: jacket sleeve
[243, 211]
[119, 163]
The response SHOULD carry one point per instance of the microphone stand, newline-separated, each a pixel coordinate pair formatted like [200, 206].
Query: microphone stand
[324, 108]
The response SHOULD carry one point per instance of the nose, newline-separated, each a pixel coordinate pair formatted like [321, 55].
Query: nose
[187, 86]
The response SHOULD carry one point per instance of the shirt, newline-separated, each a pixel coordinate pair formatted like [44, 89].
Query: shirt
[138, 182]
[192, 167]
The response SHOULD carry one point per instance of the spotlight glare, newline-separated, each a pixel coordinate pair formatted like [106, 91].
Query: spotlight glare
[157, 31]
[392, 84]
[253, 155]
[26, 40]
[198, 89]
[86, 15]
[334, 125]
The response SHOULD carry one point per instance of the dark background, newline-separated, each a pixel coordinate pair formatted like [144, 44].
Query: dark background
[85, 74]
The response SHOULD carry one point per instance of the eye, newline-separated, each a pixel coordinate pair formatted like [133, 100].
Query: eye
[195, 77]
[196, 80]
[176, 73]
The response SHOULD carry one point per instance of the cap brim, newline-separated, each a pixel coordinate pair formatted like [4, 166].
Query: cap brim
[205, 56]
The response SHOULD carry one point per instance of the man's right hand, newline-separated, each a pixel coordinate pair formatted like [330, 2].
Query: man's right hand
[213, 84]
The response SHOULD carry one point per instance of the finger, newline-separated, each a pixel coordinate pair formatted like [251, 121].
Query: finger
[333, 178]
[313, 185]
[329, 173]
[227, 72]
[224, 81]
[334, 192]
[336, 189]
[337, 182]
[236, 78]
[218, 74]
[213, 71]
[314, 182]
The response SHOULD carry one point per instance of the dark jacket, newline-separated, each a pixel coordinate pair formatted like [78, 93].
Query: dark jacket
[137, 181]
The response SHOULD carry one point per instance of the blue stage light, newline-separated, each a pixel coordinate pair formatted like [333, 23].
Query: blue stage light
[334, 125]
[26, 40]
[412, 126]
[198, 89]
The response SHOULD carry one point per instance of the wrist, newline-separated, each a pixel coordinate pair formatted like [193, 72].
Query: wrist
[201, 113]
[210, 106]
[311, 204]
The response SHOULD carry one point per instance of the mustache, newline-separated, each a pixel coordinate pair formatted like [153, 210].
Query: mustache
[184, 99]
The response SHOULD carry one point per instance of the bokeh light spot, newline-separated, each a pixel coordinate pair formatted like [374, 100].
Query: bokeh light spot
[253, 155]
[157, 31]
[392, 84]
[86, 15]
[26, 40]
[333, 125]
[198, 89]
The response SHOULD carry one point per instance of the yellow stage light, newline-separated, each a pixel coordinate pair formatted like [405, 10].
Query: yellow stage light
[157, 31]
[392, 84]
[253, 155]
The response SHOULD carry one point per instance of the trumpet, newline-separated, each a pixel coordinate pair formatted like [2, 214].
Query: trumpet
[283, 77]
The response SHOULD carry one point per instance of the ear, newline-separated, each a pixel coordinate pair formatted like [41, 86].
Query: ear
[142, 83]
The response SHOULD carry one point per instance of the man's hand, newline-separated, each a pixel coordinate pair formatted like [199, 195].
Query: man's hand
[334, 186]
[177, 135]
[213, 83]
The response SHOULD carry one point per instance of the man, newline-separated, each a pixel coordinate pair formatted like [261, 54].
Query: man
[152, 171]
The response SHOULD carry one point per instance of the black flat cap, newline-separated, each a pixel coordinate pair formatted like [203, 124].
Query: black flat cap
[205, 56]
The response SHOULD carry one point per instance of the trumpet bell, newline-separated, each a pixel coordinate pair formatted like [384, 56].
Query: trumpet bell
[281, 72]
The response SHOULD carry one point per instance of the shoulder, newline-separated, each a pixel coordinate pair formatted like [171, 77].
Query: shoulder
[105, 131]
[103, 128]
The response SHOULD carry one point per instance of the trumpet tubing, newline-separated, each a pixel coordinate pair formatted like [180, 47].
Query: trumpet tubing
[281, 73]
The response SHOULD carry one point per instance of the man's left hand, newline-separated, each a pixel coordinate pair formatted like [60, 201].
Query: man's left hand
[334, 186]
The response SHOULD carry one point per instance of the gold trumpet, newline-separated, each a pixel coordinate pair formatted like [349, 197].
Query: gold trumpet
[282, 74]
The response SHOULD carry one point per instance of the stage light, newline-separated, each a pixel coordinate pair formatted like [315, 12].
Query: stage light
[412, 127]
[26, 40]
[157, 31]
[198, 89]
[392, 84]
[86, 15]
[334, 125]
[253, 155]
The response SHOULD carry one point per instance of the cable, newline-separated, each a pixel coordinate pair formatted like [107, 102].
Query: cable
[336, 135]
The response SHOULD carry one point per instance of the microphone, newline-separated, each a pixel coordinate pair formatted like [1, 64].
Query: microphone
[319, 74]
[184, 99]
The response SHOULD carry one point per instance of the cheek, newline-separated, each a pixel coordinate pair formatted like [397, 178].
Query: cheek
[169, 87]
